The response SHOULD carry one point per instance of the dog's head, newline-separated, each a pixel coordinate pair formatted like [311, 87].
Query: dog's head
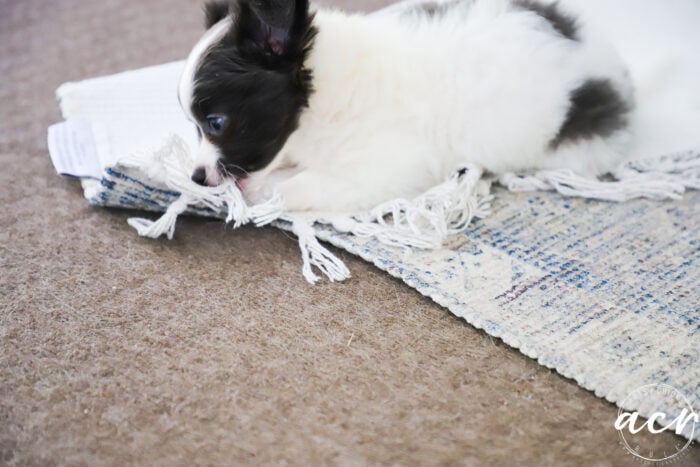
[245, 84]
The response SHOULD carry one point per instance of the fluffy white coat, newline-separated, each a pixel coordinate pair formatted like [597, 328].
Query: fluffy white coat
[400, 100]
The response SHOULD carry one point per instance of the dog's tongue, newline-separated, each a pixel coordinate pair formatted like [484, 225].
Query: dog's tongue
[241, 183]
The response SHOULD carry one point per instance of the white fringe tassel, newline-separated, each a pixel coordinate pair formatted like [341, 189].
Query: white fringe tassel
[171, 166]
[428, 220]
[662, 178]
[164, 225]
[314, 254]
[682, 168]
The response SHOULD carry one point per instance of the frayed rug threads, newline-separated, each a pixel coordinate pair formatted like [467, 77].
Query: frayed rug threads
[424, 222]
[666, 177]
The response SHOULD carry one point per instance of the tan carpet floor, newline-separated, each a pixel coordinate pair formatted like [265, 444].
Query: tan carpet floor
[211, 349]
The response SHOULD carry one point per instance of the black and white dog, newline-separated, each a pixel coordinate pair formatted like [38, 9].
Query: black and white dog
[344, 111]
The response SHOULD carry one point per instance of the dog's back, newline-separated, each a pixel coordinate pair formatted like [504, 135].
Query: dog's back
[400, 99]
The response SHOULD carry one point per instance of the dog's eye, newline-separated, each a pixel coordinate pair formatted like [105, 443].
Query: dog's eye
[216, 124]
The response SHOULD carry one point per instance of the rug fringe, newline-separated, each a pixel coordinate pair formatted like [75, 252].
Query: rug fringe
[425, 222]
[314, 254]
[662, 178]
[682, 168]
[165, 225]
[171, 165]
[428, 220]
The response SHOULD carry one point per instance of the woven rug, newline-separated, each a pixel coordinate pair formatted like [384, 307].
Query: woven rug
[604, 293]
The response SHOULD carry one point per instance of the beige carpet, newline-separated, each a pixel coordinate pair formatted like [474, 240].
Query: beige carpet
[212, 349]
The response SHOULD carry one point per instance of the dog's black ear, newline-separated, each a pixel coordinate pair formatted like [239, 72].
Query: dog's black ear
[278, 27]
[215, 11]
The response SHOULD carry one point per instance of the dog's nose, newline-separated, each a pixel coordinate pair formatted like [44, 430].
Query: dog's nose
[200, 176]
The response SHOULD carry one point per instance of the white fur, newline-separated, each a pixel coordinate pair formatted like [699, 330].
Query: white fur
[207, 154]
[187, 83]
[401, 100]
[659, 41]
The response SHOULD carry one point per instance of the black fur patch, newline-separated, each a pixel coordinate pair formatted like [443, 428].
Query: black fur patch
[215, 11]
[597, 109]
[256, 77]
[432, 9]
[564, 24]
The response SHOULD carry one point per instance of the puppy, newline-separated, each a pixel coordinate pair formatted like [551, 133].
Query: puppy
[342, 111]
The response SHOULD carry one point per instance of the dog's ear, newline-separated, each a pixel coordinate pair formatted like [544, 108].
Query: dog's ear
[215, 11]
[277, 27]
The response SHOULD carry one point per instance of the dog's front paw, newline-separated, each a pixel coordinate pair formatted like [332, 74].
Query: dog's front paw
[298, 194]
[314, 191]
